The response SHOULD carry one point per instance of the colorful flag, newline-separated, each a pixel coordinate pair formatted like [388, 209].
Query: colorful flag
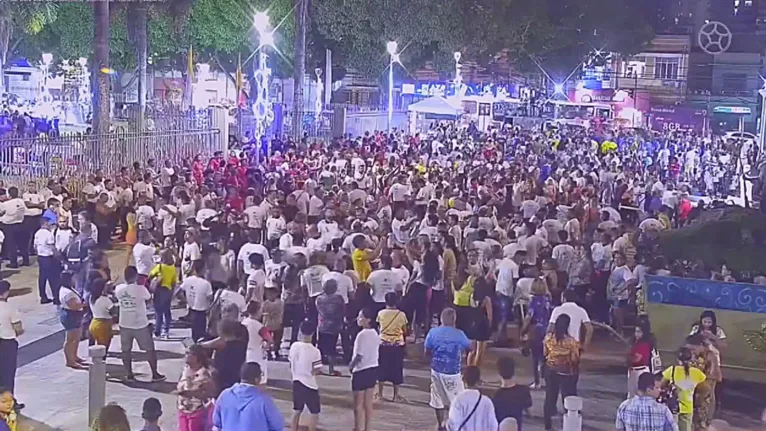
[239, 77]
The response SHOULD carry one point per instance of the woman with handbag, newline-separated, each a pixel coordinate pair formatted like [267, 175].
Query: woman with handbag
[393, 331]
[679, 382]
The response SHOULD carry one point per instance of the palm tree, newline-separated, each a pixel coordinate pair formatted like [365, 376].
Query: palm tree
[102, 99]
[299, 69]
[21, 18]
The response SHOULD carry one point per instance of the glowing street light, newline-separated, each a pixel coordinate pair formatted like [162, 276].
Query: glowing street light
[558, 88]
[267, 38]
[47, 58]
[391, 47]
[261, 22]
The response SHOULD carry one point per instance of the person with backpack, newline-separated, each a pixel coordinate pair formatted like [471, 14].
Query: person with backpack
[679, 382]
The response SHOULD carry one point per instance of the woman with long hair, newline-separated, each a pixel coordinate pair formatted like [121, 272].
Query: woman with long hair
[482, 325]
[112, 417]
[715, 339]
[684, 378]
[562, 362]
[706, 361]
[639, 358]
[534, 328]
[71, 316]
[196, 391]
[101, 306]
[451, 257]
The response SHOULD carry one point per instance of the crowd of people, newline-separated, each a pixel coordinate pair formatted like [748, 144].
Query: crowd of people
[345, 252]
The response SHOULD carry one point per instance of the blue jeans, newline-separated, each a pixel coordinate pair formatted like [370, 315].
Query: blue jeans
[538, 360]
[162, 300]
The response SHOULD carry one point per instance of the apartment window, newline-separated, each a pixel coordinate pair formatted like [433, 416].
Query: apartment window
[666, 68]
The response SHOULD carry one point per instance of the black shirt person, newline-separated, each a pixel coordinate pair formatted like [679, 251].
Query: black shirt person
[512, 399]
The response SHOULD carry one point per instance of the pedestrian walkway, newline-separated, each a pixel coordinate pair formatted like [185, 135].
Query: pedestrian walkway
[56, 397]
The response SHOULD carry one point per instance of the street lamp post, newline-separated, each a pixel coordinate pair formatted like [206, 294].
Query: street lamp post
[391, 47]
[458, 75]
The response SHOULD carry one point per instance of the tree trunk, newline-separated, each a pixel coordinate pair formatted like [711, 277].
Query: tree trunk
[142, 47]
[6, 29]
[102, 101]
[299, 70]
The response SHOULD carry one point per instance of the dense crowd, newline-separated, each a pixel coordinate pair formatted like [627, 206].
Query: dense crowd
[348, 251]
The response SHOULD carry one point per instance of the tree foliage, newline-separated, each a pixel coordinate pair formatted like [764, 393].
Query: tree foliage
[556, 33]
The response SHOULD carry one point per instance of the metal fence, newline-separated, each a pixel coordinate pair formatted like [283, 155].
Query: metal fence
[163, 118]
[24, 158]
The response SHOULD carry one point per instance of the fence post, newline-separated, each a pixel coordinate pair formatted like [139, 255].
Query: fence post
[96, 382]
[572, 417]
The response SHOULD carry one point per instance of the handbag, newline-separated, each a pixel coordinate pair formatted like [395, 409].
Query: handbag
[669, 394]
[656, 361]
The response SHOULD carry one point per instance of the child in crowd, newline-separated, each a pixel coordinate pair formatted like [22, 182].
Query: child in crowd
[273, 310]
[151, 413]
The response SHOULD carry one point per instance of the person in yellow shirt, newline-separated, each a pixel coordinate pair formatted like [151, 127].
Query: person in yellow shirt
[685, 378]
[363, 255]
[166, 276]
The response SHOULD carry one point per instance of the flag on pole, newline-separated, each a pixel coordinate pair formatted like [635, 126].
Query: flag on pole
[239, 77]
[189, 78]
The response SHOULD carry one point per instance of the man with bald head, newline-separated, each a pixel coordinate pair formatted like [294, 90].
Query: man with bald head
[446, 346]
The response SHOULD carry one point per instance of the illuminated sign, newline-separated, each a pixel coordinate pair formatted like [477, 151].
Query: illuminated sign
[448, 89]
[744, 110]
[408, 88]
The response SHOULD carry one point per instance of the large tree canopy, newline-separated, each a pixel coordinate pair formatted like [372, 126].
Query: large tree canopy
[553, 33]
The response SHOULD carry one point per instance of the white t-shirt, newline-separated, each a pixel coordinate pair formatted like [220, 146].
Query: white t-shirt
[507, 271]
[275, 227]
[256, 216]
[13, 211]
[229, 297]
[144, 214]
[190, 253]
[577, 316]
[398, 192]
[311, 279]
[132, 299]
[168, 220]
[102, 307]
[256, 282]
[304, 359]
[244, 255]
[344, 282]
[199, 293]
[144, 256]
[382, 281]
[482, 419]
[8, 316]
[254, 341]
[563, 254]
[204, 214]
[366, 345]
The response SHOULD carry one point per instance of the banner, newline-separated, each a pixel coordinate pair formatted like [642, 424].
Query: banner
[663, 118]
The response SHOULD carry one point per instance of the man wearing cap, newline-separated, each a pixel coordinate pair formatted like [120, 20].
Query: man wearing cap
[10, 328]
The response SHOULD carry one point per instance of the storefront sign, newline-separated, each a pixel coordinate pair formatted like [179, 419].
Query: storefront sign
[742, 110]
[677, 118]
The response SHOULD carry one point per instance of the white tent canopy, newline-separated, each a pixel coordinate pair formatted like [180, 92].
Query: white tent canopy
[435, 105]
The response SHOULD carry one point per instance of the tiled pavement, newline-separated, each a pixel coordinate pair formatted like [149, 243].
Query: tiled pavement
[56, 397]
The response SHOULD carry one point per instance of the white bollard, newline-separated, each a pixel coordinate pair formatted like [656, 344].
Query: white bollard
[96, 382]
[572, 417]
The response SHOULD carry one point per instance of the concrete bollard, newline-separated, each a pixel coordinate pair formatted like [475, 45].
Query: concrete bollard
[572, 417]
[96, 382]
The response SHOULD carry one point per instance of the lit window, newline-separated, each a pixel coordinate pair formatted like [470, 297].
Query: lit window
[666, 68]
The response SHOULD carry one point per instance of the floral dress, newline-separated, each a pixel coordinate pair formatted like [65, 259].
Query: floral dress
[704, 402]
[193, 380]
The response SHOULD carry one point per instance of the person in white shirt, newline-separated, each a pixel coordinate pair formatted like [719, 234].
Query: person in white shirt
[244, 268]
[344, 282]
[168, 216]
[145, 216]
[563, 253]
[470, 410]
[305, 364]
[12, 214]
[190, 253]
[255, 215]
[199, 295]
[35, 204]
[134, 324]
[364, 369]
[506, 273]
[578, 318]
[257, 334]
[49, 267]
[276, 226]
[143, 255]
[10, 328]
[383, 281]
[206, 214]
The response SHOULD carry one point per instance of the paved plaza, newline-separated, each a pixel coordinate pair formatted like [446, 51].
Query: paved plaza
[56, 397]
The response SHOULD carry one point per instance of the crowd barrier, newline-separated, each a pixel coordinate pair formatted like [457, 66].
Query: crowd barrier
[24, 158]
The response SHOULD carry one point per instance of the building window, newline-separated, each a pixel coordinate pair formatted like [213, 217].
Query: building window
[666, 68]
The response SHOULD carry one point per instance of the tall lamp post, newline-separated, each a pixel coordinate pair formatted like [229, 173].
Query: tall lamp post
[391, 47]
[262, 105]
[458, 75]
